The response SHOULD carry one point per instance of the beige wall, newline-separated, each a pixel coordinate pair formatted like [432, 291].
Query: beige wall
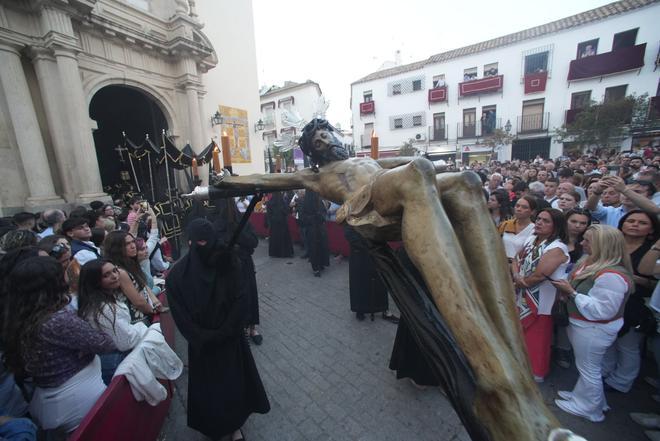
[229, 25]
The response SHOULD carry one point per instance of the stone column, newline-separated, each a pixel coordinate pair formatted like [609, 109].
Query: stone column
[26, 130]
[74, 106]
[52, 98]
[194, 134]
[204, 121]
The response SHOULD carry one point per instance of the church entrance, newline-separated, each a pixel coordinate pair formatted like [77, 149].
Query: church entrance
[122, 109]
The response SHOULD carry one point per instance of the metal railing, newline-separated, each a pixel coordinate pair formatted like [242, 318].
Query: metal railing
[535, 122]
[440, 134]
[478, 129]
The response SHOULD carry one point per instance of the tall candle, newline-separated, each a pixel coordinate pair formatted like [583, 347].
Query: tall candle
[226, 152]
[195, 172]
[216, 159]
[374, 145]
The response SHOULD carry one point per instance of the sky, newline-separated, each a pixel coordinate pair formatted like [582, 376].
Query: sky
[338, 42]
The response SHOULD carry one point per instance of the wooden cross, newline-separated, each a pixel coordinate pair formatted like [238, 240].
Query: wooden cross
[119, 150]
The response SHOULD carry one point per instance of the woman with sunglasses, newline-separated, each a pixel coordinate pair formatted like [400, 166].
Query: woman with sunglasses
[99, 304]
[596, 293]
[544, 257]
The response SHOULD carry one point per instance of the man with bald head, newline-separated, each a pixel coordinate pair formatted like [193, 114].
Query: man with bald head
[53, 220]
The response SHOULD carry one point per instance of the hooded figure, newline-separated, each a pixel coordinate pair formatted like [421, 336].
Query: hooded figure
[279, 242]
[316, 236]
[209, 304]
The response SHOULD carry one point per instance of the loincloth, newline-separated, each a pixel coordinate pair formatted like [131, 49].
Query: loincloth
[358, 212]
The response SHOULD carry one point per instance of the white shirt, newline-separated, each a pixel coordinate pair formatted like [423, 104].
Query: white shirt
[547, 291]
[513, 243]
[83, 256]
[157, 260]
[124, 334]
[602, 302]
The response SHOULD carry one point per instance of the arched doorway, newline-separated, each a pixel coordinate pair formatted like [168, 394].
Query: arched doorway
[117, 109]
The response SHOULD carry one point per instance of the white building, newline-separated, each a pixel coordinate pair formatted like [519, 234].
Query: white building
[532, 79]
[233, 83]
[299, 98]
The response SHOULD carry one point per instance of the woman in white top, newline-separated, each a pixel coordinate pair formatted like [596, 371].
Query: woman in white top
[98, 304]
[544, 256]
[517, 230]
[599, 287]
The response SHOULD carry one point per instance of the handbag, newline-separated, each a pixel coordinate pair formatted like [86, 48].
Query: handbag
[560, 313]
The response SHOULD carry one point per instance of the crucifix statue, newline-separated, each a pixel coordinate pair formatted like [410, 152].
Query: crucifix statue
[120, 150]
[474, 343]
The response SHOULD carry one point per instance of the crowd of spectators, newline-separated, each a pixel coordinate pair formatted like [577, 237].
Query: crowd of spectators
[77, 293]
[579, 230]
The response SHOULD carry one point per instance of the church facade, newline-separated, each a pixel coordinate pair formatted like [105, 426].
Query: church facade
[56, 56]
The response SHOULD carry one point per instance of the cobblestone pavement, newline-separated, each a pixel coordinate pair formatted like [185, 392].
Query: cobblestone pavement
[326, 373]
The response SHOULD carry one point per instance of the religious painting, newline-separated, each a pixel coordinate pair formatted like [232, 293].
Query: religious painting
[235, 125]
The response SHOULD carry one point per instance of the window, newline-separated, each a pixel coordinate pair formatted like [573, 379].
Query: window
[580, 100]
[490, 70]
[417, 120]
[488, 119]
[367, 96]
[587, 48]
[470, 74]
[532, 115]
[624, 39]
[398, 123]
[438, 81]
[396, 89]
[417, 85]
[615, 93]
[536, 63]
[439, 131]
[469, 122]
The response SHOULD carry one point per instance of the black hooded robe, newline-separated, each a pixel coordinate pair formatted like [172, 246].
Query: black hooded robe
[368, 293]
[208, 306]
[316, 235]
[279, 242]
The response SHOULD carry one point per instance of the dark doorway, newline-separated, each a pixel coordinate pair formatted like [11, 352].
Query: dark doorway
[118, 109]
[527, 149]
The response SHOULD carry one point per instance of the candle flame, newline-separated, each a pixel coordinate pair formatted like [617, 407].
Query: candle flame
[373, 133]
[216, 149]
[224, 133]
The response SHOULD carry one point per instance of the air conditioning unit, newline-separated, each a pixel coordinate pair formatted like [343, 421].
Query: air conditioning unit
[420, 137]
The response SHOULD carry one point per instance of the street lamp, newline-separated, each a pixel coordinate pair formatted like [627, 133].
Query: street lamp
[259, 126]
[216, 119]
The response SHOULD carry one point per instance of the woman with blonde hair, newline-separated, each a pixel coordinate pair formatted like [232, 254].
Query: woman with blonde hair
[596, 294]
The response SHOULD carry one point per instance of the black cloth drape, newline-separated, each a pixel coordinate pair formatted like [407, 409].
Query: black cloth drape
[368, 293]
[279, 241]
[208, 303]
[316, 235]
[407, 359]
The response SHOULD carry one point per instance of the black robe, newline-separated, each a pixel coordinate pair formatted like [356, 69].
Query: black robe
[209, 307]
[368, 293]
[316, 235]
[279, 242]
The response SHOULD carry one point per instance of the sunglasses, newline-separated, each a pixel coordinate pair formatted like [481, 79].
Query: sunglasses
[58, 250]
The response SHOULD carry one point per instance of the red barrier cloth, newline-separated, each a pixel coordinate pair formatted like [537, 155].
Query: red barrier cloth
[257, 220]
[294, 230]
[620, 60]
[482, 85]
[535, 82]
[336, 240]
[117, 416]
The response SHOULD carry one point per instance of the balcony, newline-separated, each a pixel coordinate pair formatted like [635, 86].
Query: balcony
[533, 123]
[438, 95]
[440, 134]
[478, 129]
[571, 114]
[620, 60]
[367, 108]
[535, 82]
[481, 85]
